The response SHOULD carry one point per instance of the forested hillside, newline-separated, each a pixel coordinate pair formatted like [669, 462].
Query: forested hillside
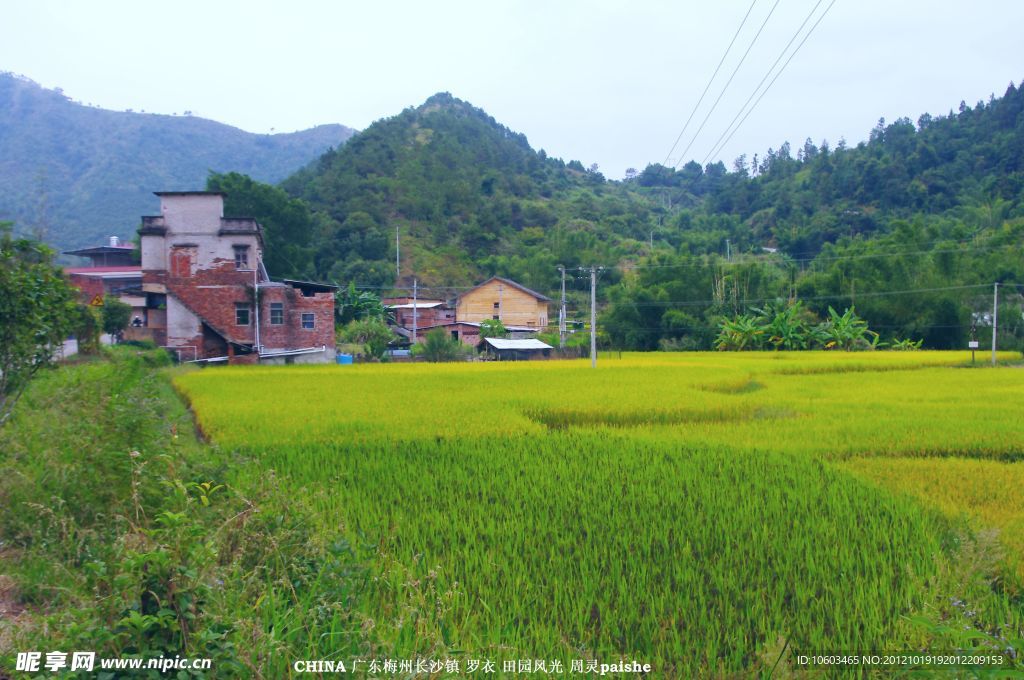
[879, 226]
[76, 174]
[468, 196]
[912, 227]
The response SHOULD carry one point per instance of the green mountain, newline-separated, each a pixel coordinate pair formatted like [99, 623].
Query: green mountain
[911, 227]
[468, 197]
[77, 174]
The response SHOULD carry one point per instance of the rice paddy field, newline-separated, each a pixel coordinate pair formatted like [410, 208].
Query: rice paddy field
[709, 514]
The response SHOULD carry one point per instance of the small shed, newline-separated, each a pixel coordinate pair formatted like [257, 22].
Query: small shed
[517, 350]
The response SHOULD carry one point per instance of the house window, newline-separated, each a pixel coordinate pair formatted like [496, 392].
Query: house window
[455, 335]
[497, 305]
[241, 257]
[496, 317]
[276, 313]
[308, 320]
[241, 314]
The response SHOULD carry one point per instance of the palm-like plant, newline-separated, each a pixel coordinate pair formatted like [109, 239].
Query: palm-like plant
[785, 325]
[847, 331]
[745, 332]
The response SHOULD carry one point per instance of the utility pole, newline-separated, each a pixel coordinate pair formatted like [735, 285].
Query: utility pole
[415, 310]
[398, 261]
[561, 313]
[593, 317]
[995, 319]
[500, 289]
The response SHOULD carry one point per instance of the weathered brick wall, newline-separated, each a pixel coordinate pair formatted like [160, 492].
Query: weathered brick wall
[89, 286]
[211, 294]
[431, 316]
[291, 334]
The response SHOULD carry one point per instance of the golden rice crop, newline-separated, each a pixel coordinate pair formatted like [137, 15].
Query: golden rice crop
[680, 509]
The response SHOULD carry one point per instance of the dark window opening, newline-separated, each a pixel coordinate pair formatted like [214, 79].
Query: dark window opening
[241, 257]
[497, 305]
[276, 313]
[455, 335]
[308, 320]
[496, 317]
[241, 314]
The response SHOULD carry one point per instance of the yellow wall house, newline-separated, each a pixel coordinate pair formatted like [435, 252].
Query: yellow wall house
[505, 300]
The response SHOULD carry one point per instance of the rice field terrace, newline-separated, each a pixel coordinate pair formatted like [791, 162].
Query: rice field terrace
[709, 514]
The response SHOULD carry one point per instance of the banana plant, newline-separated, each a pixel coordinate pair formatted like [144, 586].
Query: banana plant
[745, 332]
[847, 331]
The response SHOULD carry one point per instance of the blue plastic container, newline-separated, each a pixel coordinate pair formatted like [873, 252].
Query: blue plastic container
[344, 358]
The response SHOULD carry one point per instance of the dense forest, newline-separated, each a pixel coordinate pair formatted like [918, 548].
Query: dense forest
[911, 227]
[74, 174]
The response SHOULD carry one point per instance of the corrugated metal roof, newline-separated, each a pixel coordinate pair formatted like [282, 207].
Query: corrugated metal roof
[504, 343]
[418, 305]
[106, 272]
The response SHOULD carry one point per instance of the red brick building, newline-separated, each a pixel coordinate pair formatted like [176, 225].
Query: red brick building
[111, 272]
[427, 312]
[209, 298]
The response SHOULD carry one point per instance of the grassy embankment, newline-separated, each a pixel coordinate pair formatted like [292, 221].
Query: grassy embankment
[118, 537]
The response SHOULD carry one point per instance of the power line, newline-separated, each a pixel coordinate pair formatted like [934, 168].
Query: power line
[728, 82]
[766, 75]
[758, 101]
[837, 258]
[708, 86]
[749, 301]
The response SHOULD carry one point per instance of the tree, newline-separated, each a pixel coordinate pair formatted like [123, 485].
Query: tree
[116, 315]
[352, 305]
[439, 346]
[373, 334]
[36, 313]
[288, 224]
[492, 328]
[86, 323]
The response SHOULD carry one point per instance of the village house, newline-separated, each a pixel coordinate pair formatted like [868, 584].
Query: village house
[112, 272]
[209, 297]
[421, 312]
[523, 312]
[505, 300]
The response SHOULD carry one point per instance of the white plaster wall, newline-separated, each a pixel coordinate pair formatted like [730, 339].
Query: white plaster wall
[193, 213]
[196, 219]
[212, 248]
[182, 325]
[154, 253]
[325, 357]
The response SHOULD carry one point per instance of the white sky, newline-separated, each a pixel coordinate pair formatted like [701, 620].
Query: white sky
[605, 82]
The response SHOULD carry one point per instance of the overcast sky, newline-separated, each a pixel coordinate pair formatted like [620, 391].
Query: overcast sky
[611, 83]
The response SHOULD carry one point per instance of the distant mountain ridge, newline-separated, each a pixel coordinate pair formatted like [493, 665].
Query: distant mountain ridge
[77, 174]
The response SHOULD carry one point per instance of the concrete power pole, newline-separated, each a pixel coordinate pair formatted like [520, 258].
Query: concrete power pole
[995, 319]
[593, 317]
[398, 260]
[561, 313]
[500, 294]
[415, 310]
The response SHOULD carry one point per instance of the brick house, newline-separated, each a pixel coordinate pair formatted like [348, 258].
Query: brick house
[111, 272]
[209, 298]
[427, 312]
